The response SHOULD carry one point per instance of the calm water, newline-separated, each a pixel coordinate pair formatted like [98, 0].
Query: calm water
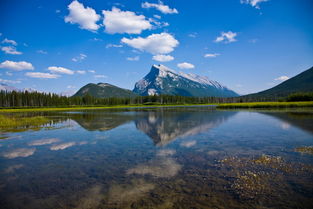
[160, 158]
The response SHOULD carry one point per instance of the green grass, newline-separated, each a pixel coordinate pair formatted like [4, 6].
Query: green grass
[221, 106]
[31, 109]
[9, 123]
[266, 105]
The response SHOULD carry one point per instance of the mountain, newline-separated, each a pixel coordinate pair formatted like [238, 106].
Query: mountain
[302, 82]
[162, 80]
[4, 87]
[104, 90]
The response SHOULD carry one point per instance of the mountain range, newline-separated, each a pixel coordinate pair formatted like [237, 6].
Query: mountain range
[5, 87]
[163, 80]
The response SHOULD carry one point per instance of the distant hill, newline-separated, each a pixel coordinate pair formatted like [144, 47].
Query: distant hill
[302, 82]
[104, 90]
[162, 80]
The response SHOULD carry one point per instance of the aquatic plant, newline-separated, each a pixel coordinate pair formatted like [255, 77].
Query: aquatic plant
[305, 150]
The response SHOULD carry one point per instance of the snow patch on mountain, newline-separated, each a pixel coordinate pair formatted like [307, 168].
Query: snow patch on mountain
[163, 80]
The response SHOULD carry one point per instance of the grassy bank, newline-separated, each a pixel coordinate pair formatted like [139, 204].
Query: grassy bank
[31, 109]
[266, 105]
[221, 106]
[17, 123]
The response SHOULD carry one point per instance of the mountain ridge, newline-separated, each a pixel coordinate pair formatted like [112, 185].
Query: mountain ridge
[163, 80]
[302, 82]
[104, 90]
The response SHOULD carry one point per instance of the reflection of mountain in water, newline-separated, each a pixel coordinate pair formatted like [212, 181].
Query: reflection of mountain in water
[104, 121]
[164, 126]
[302, 120]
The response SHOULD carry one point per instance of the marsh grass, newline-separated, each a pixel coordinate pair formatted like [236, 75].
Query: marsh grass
[266, 105]
[21, 123]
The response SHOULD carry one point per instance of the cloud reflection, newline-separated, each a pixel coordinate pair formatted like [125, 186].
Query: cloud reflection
[188, 143]
[13, 168]
[62, 146]
[166, 152]
[22, 152]
[124, 194]
[162, 167]
[43, 142]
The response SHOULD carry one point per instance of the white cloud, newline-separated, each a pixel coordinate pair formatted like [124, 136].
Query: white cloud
[10, 50]
[163, 58]
[185, 65]
[71, 87]
[157, 16]
[117, 21]
[57, 11]
[91, 71]
[282, 78]
[41, 75]
[96, 39]
[18, 66]
[136, 58]
[158, 24]
[193, 35]
[211, 55]
[226, 37]
[41, 52]
[253, 3]
[86, 17]
[100, 76]
[79, 58]
[161, 7]
[7, 41]
[113, 45]
[81, 72]
[162, 43]
[9, 81]
[60, 70]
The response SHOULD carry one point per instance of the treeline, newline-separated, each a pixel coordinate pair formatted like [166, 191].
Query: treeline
[296, 97]
[37, 99]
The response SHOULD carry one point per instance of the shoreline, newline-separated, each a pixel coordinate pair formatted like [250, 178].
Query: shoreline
[255, 105]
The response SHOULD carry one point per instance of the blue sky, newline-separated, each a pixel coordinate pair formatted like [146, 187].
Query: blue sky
[247, 45]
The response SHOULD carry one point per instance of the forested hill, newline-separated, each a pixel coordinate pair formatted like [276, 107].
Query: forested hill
[302, 82]
[104, 90]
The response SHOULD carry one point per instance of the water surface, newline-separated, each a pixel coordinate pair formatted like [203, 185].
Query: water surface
[195, 157]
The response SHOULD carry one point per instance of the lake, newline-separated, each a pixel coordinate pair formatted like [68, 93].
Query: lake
[195, 157]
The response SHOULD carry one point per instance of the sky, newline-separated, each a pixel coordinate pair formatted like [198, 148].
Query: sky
[59, 46]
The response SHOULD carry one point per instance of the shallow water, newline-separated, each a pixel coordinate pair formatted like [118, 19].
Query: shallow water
[195, 157]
